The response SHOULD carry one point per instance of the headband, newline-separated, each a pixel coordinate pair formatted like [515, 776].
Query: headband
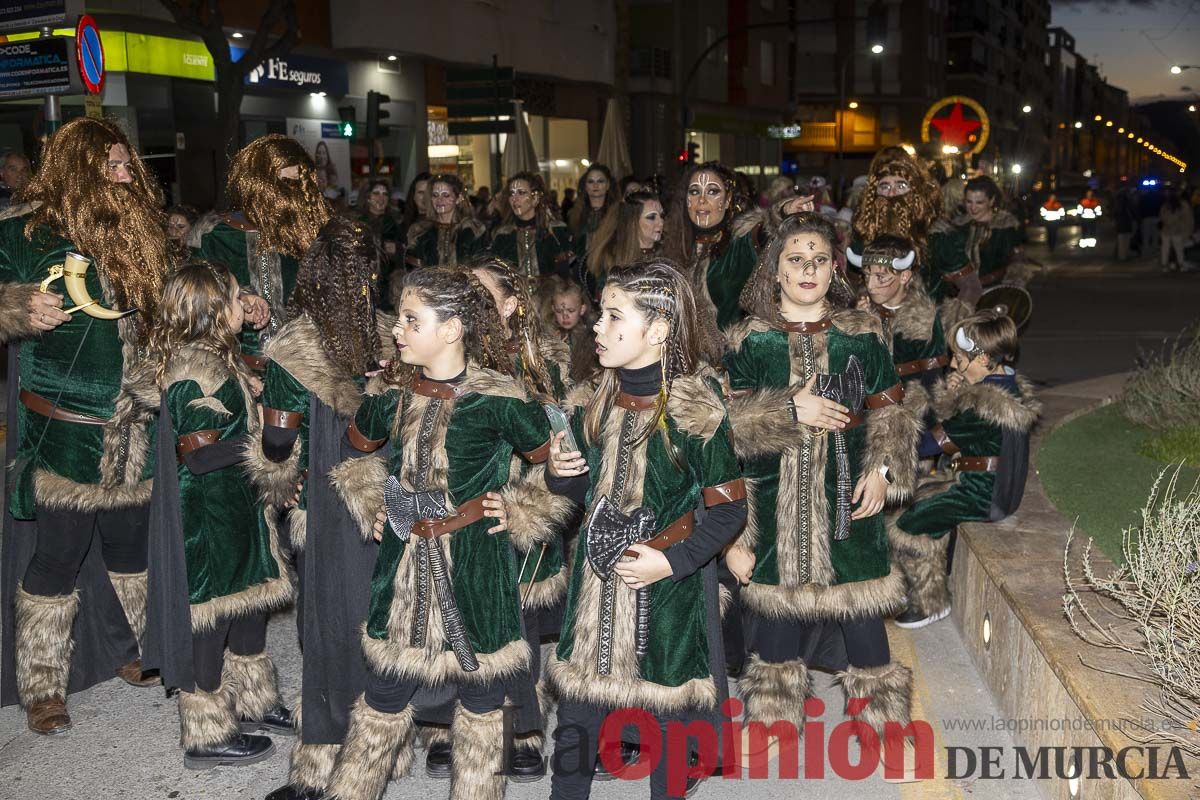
[967, 344]
[878, 260]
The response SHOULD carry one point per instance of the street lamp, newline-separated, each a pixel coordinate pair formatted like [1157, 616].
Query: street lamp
[852, 104]
[1025, 109]
[1192, 108]
[1016, 169]
[876, 49]
[1078, 124]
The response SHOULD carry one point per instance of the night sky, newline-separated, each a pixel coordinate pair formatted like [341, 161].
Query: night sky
[1135, 43]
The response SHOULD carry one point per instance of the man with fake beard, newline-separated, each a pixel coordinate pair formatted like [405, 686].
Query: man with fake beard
[275, 213]
[74, 607]
[903, 200]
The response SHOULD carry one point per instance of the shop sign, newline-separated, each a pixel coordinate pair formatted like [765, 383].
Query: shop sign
[37, 13]
[305, 73]
[783, 131]
[162, 55]
[36, 67]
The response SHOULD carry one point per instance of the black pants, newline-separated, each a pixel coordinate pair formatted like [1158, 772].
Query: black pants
[389, 695]
[828, 644]
[244, 636]
[576, 749]
[63, 540]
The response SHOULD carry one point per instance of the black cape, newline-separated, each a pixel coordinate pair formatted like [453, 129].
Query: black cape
[103, 638]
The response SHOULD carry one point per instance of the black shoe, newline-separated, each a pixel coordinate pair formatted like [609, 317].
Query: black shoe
[290, 792]
[629, 754]
[276, 720]
[527, 765]
[171, 692]
[438, 760]
[912, 619]
[239, 751]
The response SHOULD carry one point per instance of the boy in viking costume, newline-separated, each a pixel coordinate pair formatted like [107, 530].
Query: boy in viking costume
[984, 412]
[911, 324]
[77, 473]
[444, 604]
[215, 571]
[820, 464]
[902, 199]
[642, 625]
[276, 210]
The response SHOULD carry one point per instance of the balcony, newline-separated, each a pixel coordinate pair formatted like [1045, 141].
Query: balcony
[814, 135]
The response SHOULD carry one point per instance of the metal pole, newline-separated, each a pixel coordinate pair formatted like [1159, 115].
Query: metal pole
[839, 120]
[53, 112]
[496, 136]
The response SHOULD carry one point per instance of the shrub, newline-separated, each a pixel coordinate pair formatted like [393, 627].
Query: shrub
[1164, 391]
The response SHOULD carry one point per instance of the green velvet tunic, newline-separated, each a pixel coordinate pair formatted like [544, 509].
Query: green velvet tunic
[226, 544]
[675, 672]
[974, 420]
[273, 275]
[915, 331]
[801, 571]
[471, 446]
[431, 244]
[283, 392]
[80, 364]
[726, 274]
[591, 221]
[535, 251]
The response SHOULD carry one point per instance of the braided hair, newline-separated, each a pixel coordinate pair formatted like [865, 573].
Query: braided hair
[659, 291]
[451, 293]
[528, 327]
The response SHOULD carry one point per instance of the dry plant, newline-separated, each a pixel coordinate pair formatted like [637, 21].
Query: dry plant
[1157, 611]
[1164, 390]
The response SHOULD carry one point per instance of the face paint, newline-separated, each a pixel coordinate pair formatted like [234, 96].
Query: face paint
[707, 200]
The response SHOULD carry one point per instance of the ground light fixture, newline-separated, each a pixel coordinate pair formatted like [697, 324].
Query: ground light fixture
[237, 34]
[392, 57]
[1176, 69]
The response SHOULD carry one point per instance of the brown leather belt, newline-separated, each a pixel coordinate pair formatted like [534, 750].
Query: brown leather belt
[191, 442]
[277, 418]
[468, 512]
[40, 405]
[943, 439]
[254, 362]
[978, 464]
[959, 273]
[360, 442]
[728, 492]
[921, 365]
[676, 532]
[891, 396]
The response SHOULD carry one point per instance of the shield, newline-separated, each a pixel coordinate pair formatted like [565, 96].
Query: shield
[1012, 301]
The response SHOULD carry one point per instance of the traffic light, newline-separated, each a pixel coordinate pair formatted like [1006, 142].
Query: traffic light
[348, 124]
[693, 152]
[375, 114]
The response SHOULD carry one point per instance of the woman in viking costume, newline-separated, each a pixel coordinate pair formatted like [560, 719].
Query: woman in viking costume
[911, 325]
[820, 463]
[276, 210]
[993, 235]
[643, 631]
[78, 478]
[215, 570]
[595, 195]
[983, 413]
[444, 605]
[631, 230]
[529, 236]
[450, 235]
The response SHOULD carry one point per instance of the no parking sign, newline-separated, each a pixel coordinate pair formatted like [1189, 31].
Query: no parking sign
[89, 54]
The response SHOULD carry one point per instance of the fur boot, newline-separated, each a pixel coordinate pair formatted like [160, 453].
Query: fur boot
[775, 692]
[881, 699]
[477, 770]
[922, 559]
[251, 680]
[43, 645]
[369, 754]
[311, 764]
[206, 719]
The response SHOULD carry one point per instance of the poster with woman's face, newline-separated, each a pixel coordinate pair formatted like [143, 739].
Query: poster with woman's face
[330, 154]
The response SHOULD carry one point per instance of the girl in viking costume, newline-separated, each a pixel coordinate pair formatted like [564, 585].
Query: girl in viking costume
[450, 235]
[276, 211]
[993, 235]
[567, 311]
[215, 570]
[595, 195]
[911, 325]
[643, 631]
[984, 412]
[820, 464]
[444, 605]
[312, 388]
[631, 230]
[529, 236]
[542, 577]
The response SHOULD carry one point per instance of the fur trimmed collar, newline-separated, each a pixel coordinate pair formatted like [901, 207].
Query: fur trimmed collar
[992, 403]
[914, 319]
[494, 384]
[297, 348]
[851, 321]
[694, 405]
[425, 224]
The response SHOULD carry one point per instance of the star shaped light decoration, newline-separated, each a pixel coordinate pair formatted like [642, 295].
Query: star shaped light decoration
[955, 128]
